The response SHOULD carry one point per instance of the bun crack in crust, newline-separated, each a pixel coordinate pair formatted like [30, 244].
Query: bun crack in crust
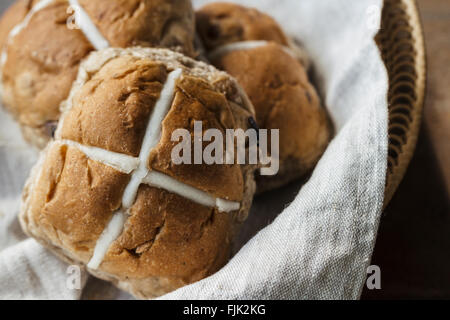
[106, 194]
[43, 43]
[252, 47]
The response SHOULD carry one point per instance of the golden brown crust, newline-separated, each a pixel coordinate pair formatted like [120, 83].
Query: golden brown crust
[145, 23]
[13, 16]
[73, 199]
[122, 94]
[168, 241]
[283, 97]
[222, 23]
[178, 240]
[111, 111]
[42, 60]
[277, 84]
[38, 73]
[195, 100]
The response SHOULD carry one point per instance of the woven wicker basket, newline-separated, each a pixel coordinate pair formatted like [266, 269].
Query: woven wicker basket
[402, 45]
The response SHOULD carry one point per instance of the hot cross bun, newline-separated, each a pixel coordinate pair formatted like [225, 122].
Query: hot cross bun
[106, 193]
[43, 43]
[253, 48]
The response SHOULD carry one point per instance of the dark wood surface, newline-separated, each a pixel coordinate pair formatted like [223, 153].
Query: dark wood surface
[413, 246]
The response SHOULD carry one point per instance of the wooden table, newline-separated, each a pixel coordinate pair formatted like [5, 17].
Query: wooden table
[413, 246]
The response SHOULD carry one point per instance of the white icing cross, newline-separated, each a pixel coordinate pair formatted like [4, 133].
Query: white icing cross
[18, 28]
[82, 20]
[121, 162]
[244, 45]
[141, 174]
[88, 27]
[108, 236]
[152, 137]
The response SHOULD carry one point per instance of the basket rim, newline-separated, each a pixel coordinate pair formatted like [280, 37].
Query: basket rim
[405, 149]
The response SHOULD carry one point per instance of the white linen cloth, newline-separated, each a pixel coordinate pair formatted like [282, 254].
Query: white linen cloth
[320, 245]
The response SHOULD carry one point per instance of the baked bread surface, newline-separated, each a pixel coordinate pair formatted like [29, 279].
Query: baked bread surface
[40, 60]
[223, 23]
[252, 47]
[168, 240]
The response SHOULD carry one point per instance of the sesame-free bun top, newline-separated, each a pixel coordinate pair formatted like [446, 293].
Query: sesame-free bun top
[252, 47]
[221, 23]
[42, 48]
[179, 224]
